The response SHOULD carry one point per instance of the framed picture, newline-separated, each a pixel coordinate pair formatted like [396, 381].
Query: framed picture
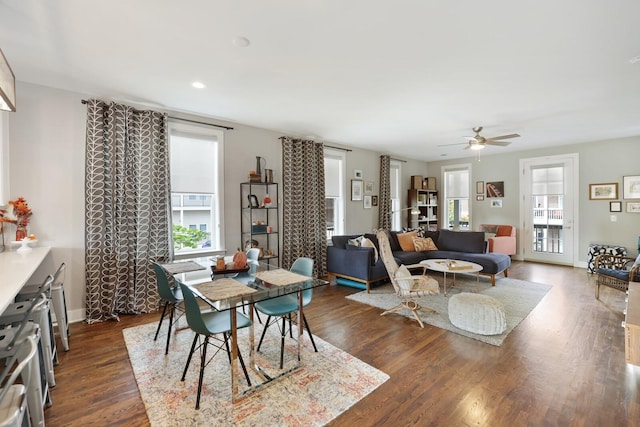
[480, 197]
[367, 202]
[608, 191]
[480, 187]
[253, 201]
[368, 187]
[615, 206]
[356, 189]
[496, 203]
[374, 200]
[631, 187]
[357, 173]
[495, 189]
[633, 207]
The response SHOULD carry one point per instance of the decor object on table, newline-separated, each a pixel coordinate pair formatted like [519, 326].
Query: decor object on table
[477, 313]
[631, 187]
[18, 213]
[239, 259]
[608, 191]
[7, 85]
[266, 202]
[616, 272]
[408, 287]
[518, 297]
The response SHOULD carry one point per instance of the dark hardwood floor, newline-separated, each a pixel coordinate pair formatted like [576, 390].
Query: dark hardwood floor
[562, 366]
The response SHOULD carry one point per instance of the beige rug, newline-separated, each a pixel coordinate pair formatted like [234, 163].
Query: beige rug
[329, 383]
[518, 297]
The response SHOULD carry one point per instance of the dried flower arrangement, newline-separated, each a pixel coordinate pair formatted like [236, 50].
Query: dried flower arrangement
[17, 212]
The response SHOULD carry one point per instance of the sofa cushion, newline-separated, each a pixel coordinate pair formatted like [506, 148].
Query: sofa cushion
[393, 241]
[461, 241]
[366, 243]
[359, 248]
[406, 241]
[342, 241]
[424, 244]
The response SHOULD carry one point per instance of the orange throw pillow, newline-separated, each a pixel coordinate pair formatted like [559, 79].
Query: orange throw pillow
[424, 244]
[406, 241]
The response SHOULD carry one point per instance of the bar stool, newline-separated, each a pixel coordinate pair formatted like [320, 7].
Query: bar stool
[39, 312]
[14, 410]
[58, 300]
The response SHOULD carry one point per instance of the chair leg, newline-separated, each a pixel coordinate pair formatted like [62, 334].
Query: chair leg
[186, 366]
[306, 324]
[171, 313]
[266, 325]
[203, 358]
[164, 310]
[282, 336]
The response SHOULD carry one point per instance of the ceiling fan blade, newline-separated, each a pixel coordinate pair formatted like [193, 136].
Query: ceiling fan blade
[457, 143]
[512, 135]
[499, 143]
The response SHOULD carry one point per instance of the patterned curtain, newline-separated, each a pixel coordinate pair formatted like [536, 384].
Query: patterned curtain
[304, 223]
[127, 200]
[384, 218]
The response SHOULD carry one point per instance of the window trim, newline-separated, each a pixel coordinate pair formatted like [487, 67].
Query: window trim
[340, 155]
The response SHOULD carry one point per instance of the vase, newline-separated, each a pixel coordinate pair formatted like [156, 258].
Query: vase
[21, 233]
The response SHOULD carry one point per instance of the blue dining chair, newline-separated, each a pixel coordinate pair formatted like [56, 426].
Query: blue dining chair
[172, 297]
[209, 324]
[282, 307]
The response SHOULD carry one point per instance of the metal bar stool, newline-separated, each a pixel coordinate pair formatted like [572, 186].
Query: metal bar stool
[58, 300]
[14, 410]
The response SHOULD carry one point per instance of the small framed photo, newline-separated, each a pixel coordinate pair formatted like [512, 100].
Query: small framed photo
[356, 189]
[496, 203]
[480, 197]
[608, 191]
[253, 201]
[368, 187]
[367, 202]
[631, 187]
[480, 188]
[615, 206]
[374, 200]
[633, 207]
[357, 173]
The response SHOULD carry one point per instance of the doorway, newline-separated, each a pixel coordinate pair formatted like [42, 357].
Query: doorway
[548, 209]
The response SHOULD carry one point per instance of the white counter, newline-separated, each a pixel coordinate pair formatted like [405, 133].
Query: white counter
[15, 270]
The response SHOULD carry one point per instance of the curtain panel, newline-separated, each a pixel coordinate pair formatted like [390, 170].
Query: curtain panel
[384, 215]
[304, 215]
[127, 208]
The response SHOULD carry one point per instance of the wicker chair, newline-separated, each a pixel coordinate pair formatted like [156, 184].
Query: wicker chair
[616, 272]
[410, 287]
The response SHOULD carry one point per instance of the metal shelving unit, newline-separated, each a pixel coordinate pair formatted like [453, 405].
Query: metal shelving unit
[259, 223]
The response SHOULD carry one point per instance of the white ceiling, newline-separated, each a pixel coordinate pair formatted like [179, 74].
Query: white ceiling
[400, 77]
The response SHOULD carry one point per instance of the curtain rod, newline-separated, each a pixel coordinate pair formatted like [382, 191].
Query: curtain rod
[398, 160]
[328, 146]
[84, 101]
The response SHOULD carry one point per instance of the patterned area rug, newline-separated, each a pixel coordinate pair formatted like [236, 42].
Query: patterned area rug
[518, 297]
[329, 382]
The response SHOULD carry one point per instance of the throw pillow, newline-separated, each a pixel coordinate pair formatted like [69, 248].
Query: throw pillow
[424, 244]
[406, 241]
[401, 278]
[637, 260]
[366, 243]
[357, 241]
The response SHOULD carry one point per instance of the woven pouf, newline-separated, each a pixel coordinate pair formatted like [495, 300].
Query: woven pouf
[477, 313]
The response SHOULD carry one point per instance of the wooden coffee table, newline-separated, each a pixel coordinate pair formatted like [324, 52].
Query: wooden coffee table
[452, 266]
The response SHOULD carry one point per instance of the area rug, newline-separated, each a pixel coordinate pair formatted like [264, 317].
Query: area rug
[328, 383]
[518, 297]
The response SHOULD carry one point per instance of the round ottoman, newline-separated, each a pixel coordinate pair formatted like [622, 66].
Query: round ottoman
[477, 313]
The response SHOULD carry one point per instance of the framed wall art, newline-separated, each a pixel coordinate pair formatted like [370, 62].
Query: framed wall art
[496, 203]
[368, 187]
[495, 189]
[615, 206]
[479, 187]
[374, 200]
[633, 207]
[607, 191]
[480, 197]
[357, 173]
[367, 202]
[631, 187]
[356, 189]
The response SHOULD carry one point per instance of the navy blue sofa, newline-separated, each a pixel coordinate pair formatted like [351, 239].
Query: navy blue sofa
[351, 264]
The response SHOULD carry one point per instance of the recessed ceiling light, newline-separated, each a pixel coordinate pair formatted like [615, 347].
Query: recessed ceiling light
[198, 85]
[240, 41]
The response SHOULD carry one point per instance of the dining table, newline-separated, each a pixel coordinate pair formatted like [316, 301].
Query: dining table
[226, 293]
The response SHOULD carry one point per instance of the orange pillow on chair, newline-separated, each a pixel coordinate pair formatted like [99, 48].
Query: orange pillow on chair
[406, 241]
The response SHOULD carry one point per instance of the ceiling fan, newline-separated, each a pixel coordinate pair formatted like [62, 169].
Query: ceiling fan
[478, 142]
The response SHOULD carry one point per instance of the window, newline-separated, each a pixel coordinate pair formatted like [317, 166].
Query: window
[456, 197]
[394, 180]
[196, 155]
[334, 188]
